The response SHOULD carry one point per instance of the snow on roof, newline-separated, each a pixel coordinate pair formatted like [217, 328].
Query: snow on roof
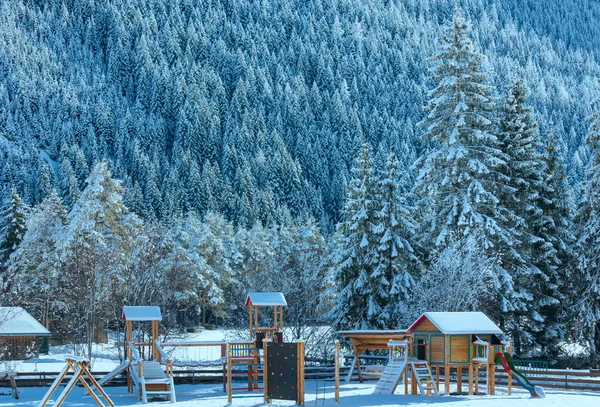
[266, 299]
[368, 332]
[456, 323]
[141, 313]
[15, 321]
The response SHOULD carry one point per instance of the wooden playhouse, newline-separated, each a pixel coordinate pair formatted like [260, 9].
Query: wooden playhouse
[434, 345]
[452, 342]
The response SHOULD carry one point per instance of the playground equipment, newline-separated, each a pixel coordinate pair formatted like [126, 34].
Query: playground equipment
[152, 377]
[442, 342]
[265, 299]
[13, 383]
[449, 339]
[507, 363]
[265, 360]
[79, 367]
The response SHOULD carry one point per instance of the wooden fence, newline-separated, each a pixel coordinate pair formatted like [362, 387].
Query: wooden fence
[552, 378]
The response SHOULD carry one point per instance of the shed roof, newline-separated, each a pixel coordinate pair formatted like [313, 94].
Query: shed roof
[141, 313]
[459, 323]
[266, 299]
[15, 321]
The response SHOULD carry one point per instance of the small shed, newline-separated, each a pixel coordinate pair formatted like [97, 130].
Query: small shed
[20, 334]
[255, 300]
[450, 336]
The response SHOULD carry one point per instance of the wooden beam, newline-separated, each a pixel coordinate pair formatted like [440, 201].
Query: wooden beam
[470, 379]
[250, 310]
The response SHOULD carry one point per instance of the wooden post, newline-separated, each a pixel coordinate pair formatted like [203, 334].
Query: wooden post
[470, 379]
[255, 318]
[356, 356]
[492, 379]
[275, 319]
[476, 378]
[229, 383]
[413, 381]
[459, 379]
[437, 379]
[281, 318]
[154, 335]
[250, 311]
[300, 370]
[337, 371]
[223, 355]
[447, 366]
[265, 373]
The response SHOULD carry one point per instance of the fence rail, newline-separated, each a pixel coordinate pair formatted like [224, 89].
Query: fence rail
[551, 378]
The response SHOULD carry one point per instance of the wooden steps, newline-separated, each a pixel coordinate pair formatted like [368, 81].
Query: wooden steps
[422, 374]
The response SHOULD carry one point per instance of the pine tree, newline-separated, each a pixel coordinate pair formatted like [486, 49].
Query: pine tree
[588, 244]
[525, 192]
[12, 225]
[396, 228]
[459, 176]
[362, 292]
[68, 183]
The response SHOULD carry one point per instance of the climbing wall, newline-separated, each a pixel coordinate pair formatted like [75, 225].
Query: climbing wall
[282, 371]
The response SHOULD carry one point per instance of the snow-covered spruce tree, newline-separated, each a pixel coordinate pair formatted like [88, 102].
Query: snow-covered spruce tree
[35, 265]
[557, 205]
[363, 294]
[526, 193]
[588, 244]
[459, 176]
[12, 225]
[398, 262]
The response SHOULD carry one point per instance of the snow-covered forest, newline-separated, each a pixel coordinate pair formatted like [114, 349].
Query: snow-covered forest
[371, 159]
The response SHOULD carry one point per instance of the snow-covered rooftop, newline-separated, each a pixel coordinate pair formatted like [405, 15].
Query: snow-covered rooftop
[15, 321]
[456, 323]
[266, 299]
[141, 313]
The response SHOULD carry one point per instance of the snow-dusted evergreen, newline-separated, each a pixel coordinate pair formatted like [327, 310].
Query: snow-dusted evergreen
[527, 193]
[459, 177]
[396, 228]
[12, 225]
[588, 244]
[364, 290]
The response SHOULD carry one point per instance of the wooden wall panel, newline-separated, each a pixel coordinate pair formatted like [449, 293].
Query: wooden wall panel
[459, 349]
[437, 349]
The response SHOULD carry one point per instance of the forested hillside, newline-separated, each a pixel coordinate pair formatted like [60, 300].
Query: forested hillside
[297, 139]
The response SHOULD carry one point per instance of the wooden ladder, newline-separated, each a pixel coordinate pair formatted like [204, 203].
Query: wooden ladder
[422, 374]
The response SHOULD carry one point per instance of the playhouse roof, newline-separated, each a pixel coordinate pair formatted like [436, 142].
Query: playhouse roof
[266, 299]
[15, 321]
[459, 323]
[141, 313]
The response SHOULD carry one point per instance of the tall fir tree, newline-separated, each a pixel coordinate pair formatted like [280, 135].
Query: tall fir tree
[396, 228]
[12, 225]
[363, 293]
[525, 193]
[459, 176]
[588, 244]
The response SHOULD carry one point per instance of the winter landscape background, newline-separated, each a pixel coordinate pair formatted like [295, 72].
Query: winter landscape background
[370, 159]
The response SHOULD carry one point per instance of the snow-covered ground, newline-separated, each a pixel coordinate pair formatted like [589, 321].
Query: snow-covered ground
[106, 357]
[351, 395]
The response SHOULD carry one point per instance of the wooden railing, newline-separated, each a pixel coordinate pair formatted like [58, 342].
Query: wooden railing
[553, 378]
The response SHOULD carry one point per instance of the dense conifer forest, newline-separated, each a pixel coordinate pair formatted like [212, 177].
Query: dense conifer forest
[371, 159]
